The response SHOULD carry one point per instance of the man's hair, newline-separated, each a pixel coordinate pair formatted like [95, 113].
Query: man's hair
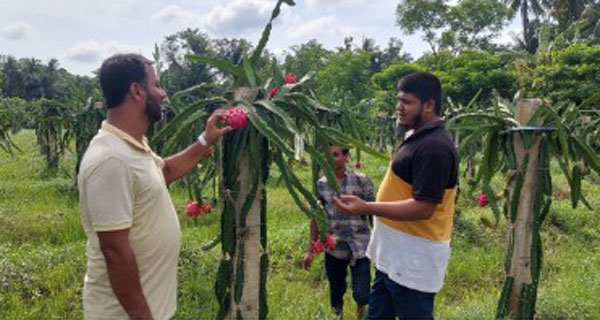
[118, 72]
[425, 86]
[345, 151]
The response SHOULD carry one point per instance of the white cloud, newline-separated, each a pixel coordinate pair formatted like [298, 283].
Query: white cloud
[173, 13]
[93, 51]
[321, 27]
[321, 3]
[505, 37]
[79, 33]
[280, 54]
[238, 16]
[16, 31]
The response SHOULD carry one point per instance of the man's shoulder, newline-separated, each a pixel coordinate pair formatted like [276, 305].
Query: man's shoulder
[437, 142]
[361, 177]
[322, 180]
[101, 149]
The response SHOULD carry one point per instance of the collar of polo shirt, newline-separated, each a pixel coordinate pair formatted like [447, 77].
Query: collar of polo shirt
[125, 136]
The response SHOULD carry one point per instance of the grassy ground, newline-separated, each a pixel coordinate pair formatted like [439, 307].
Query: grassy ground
[42, 254]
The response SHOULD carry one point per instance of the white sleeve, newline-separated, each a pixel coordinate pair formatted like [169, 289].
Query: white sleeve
[109, 194]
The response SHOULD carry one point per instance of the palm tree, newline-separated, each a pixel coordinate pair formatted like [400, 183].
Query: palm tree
[567, 11]
[586, 27]
[526, 7]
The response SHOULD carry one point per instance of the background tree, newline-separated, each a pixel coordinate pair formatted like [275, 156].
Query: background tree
[586, 29]
[305, 58]
[179, 73]
[474, 23]
[469, 24]
[13, 83]
[525, 8]
[428, 17]
[569, 74]
[473, 72]
[567, 11]
[344, 81]
[393, 53]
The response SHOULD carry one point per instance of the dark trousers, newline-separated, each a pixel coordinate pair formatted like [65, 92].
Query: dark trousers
[337, 269]
[390, 300]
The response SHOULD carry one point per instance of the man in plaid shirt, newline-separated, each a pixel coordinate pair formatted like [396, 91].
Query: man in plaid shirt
[352, 236]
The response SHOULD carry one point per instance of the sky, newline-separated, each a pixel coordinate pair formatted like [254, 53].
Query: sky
[81, 33]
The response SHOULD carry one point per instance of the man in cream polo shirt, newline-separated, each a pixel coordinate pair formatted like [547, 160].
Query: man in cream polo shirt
[126, 211]
[410, 242]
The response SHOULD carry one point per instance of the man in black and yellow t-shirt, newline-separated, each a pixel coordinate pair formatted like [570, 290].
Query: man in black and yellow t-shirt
[410, 242]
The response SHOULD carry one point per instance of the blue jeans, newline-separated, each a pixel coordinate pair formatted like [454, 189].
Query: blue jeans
[337, 269]
[390, 300]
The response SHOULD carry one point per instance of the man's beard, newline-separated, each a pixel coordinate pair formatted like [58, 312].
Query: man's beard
[153, 109]
[416, 122]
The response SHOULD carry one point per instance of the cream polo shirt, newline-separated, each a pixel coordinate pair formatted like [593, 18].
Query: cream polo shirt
[121, 186]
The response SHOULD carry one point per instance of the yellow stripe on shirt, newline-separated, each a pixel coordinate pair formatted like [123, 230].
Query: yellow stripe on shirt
[437, 228]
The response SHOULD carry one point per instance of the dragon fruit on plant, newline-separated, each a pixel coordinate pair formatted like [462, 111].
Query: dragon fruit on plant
[236, 118]
[192, 209]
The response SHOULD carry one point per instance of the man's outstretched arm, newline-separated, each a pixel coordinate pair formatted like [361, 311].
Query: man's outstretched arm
[405, 210]
[182, 162]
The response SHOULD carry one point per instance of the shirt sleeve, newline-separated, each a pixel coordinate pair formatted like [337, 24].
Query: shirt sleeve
[109, 194]
[160, 162]
[431, 171]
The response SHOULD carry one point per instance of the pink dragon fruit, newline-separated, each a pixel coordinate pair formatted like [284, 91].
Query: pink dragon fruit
[317, 246]
[236, 118]
[290, 78]
[273, 92]
[483, 200]
[192, 209]
[330, 242]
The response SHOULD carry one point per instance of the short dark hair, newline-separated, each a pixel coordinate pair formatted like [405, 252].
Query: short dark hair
[345, 151]
[425, 86]
[118, 72]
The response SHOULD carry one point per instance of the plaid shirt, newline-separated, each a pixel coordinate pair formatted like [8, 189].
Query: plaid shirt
[352, 232]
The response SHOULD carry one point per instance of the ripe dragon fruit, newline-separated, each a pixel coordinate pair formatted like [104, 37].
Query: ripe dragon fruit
[317, 246]
[236, 118]
[274, 92]
[483, 200]
[330, 242]
[192, 209]
[289, 78]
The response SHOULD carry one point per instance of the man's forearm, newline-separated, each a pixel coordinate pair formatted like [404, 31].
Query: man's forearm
[182, 162]
[125, 281]
[405, 210]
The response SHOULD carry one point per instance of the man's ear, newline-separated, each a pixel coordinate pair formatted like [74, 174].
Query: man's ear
[136, 91]
[429, 106]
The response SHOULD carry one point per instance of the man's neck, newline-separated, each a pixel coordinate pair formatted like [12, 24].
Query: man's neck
[130, 123]
[426, 123]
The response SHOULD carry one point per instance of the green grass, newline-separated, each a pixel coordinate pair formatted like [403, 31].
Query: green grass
[42, 251]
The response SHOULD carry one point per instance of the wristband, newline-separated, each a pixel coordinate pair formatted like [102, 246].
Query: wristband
[202, 139]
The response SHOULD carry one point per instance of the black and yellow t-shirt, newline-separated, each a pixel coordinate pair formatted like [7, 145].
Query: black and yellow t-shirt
[425, 167]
